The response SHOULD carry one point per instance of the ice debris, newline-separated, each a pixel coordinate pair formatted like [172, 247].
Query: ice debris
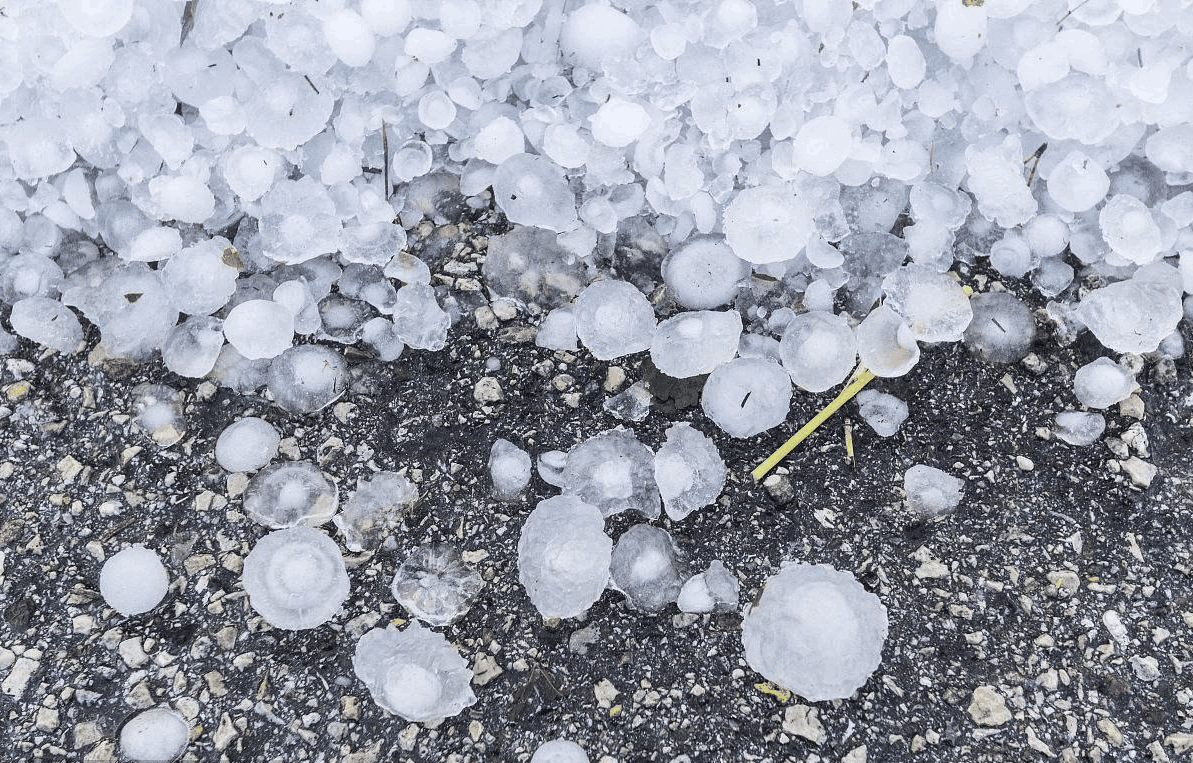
[1135, 315]
[247, 445]
[1079, 427]
[291, 494]
[1102, 383]
[714, 590]
[563, 556]
[886, 344]
[747, 396]
[156, 735]
[295, 578]
[375, 510]
[509, 469]
[413, 673]
[307, 378]
[930, 491]
[647, 567]
[133, 580]
[884, 412]
[613, 471]
[688, 470]
[435, 585]
[1002, 329]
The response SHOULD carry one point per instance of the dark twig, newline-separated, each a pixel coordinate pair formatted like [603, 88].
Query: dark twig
[188, 20]
[385, 151]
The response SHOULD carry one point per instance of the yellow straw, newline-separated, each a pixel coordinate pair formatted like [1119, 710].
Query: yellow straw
[861, 377]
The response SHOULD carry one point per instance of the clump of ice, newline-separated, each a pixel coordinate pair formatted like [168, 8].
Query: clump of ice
[1002, 329]
[157, 412]
[295, 578]
[633, 404]
[133, 580]
[435, 585]
[703, 273]
[613, 471]
[1130, 230]
[509, 469]
[815, 631]
[563, 556]
[375, 510]
[559, 750]
[156, 735]
[1135, 315]
[714, 590]
[1079, 427]
[613, 319]
[193, 346]
[884, 412]
[647, 567]
[695, 342]
[291, 494]
[688, 470]
[247, 445]
[996, 178]
[1077, 183]
[307, 378]
[529, 265]
[886, 344]
[747, 396]
[413, 673]
[1102, 383]
[531, 190]
[930, 491]
[818, 350]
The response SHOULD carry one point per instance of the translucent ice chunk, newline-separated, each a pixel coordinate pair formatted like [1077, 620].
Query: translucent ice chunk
[614, 319]
[298, 221]
[818, 350]
[1079, 427]
[153, 245]
[930, 491]
[38, 148]
[307, 378]
[688, 470]
[815, 631]
[715, 590]
[157, 412]
[614, 472]
[157, 735]
[342, 318]
[558, 330]
[695, 342]
[1130, 230]
[563, 556]
[933, 304]
[704, 273]
[883, 412]
[767, 224]
[435, 585]
[386, 17]
[559, 751]
[193, 346]
[498, 140]
[531, 190]
[593, 32]
[1102, 383]
[647, 567]
[102, 18]
[631, 405]
[550, 465]
[413, 673]
[747, 396]
[997, 180]
[418, 319]
[295, 578]
[528, 264]
[250, 171]
[905, 62]
[375, 510]
[619, 122]
[247, 445]
[133, 581]
[289, 495]
[1077, 107]
[509, 469]
[1134, 315]
[886, 344]
[349, 37]
[1002, 329]
[47, 322]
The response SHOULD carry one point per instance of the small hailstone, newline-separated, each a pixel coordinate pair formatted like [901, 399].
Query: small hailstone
[884, 413]
[435, 585]
[715, 590]
[250, 171]
[509, 469]
[153, 245]
[997, 181]
[815, 631]
[933, 304]
[247, 445]
[886, 344]
[822, 144]
[307, 378]
[703, 273]
[688, 470]
[375, 510]
[563, 556]
[259, 328]
[386, 17]
[614, 319]
[185, 199]
[558, 330]
[550, 466]
[1102, 383]
[47, 322]
[695, 342]
[157, 735]
[818, 350]
[413, 673]
[1130, 230]
[619, 122]
[295, 578]
[200, 279]
[419, 321]
[1079, 427]
[647, 567]
[593, 32]
[960, 31]
[157, 411]
[767, 224]
[349, 37]
[904, 62]
[1002, 329]
[930, 491]
[747, 396]
[436, 110]
[291, 494]
[559, 751]
[133, 581]
[499, 140]
[613, 471]
[1077, 183]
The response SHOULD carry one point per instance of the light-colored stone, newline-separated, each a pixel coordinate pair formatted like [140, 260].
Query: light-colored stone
[487, 390]
[856, 755]
[804, 721]
[1141, 472]
[16, 680]
[988, 708]
[224, 734]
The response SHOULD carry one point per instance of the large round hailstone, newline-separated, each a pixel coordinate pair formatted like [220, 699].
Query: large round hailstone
[695, 342]
[818, 350]
[250, 171]
[822, 144]
[559, 751]
[295, 578]
[1002, 329]
[307, 378]
[767, 224]
[1077, 183]
[886, 344]
[349, 37]
[291, 494]
[247, 445]
[704, 273]
[619, 122]
[815, 631]
[498, 140]
[747, 396]
[593, 32]
[156, 735]
[532, 190]
[563, 556]
[1102, 383]
[133, 581]
[413, 673]
[1129, 229]
[259, 328]
[1078, 107]
[614, 319]
[933, 304]
[200, 279]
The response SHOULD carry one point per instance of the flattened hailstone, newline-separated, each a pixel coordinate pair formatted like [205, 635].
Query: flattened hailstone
[715, 590]
[695, 342]
[614, 319]
[614, 472]
[289, 495]
[1171, 148]
[930, 491]
[509, 469]
[818, 350]
[886, 344]
[997, 181]
[295, 578]
[558, 330]
[767, 224]
[375, 510]
[703, 273]
[822, 144]
[418, 319]
[1103, 383]
[193, 346]
[133, 580]
[532, 190]
[247, 445]
[563, 556]
[933, 304]
[1129, 229]
[1079, 427]
[1137, 314]
[47, 322]
[884, 413]
[259, 328]
[1077, 183]
[156, 735]
[815, 631]
[619, 122]
[185, 199]
[435, 585]
[688, 471]
[747, 396]
[1076, 107]
[307, 378]
[1002, 329]
[157, 412]
[413, 673]
[559, 751]
[647, 567]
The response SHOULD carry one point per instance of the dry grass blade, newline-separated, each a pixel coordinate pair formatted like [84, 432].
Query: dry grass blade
[188, 19]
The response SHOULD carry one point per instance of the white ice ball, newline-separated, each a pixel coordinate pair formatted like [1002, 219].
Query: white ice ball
[133, 581]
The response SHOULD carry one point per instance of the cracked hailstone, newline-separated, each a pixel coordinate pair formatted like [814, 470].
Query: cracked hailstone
[295, 578]
[688, 471]
[563, 556]
[815, 631]
[291, 494]
[156, 735]
[375, 510]
[435, 585]
[133, 581]
[413, 673]
[613, 471]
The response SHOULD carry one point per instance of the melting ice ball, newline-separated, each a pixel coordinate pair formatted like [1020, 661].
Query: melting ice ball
[563, 556]
[704, 273]
[688, 471]
[413, 673]
[1103, 383]
[247, 445]
[435, 585]
[614, 472]
[295, 578]
[291, 494]
[767, 224]
[930, 491]
[932, 304]
[747, 396]
[559, 751]
[307, 378]
[647, 567]
[509, 469]
[133, 581]
[815, 631]
[157, 735]
[375, 510]
[818, 350]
